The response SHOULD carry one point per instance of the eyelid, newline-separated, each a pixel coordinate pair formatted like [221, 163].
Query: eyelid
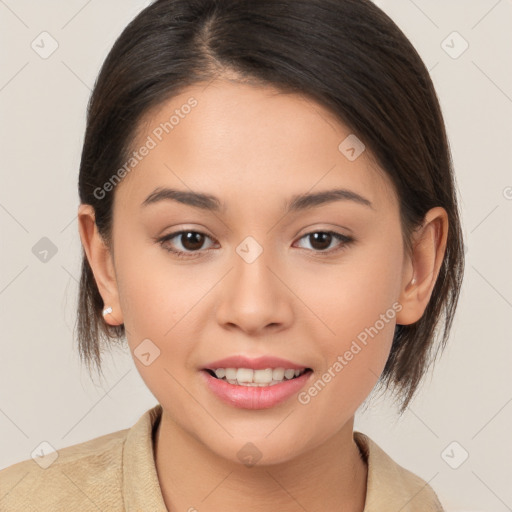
[326, 228]
[166, 238]
[344, 240]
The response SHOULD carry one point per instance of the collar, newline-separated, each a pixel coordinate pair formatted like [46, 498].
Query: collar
[141, 488]
[390, 487]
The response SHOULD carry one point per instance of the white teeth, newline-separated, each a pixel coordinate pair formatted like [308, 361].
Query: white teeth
[263, 376]
[289, 374]
[250, 377]
[244, 375]
[230, 373]
[278, 374]
[220, 372]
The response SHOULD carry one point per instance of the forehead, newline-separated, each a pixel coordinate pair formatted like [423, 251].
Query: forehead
[235, 140]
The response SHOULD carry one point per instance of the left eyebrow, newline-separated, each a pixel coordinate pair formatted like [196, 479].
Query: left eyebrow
[297, 203]
[305, 201]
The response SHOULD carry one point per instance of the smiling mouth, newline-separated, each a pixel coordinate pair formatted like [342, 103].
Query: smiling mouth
[257, 378]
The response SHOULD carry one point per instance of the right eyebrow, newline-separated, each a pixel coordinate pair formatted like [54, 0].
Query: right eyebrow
[195, 199]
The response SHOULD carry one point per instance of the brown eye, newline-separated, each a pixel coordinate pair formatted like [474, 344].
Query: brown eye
[320, 241]
[188, 242]
[192, 240]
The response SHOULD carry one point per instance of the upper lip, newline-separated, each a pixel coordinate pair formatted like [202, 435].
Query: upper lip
[258, 363]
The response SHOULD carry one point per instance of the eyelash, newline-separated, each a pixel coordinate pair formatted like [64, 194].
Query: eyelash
[347, 240]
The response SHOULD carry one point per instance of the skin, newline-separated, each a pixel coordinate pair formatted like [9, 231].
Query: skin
[254, 148]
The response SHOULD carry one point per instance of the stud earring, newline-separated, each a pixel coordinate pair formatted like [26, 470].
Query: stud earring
[413, 280]
[107, 311]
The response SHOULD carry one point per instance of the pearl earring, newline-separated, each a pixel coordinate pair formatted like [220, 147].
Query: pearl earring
[413, 280]
[107, 311]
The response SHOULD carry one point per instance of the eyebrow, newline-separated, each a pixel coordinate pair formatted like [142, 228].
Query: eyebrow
[297, 203]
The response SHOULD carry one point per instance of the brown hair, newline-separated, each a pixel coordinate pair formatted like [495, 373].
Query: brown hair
[347, 55]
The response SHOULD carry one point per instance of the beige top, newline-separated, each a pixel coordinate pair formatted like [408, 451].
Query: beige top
[116, 472]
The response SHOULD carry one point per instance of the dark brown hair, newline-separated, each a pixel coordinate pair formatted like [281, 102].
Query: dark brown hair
[348, 56]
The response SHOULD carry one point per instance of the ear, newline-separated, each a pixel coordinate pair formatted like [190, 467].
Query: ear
[422, 267]
[101, 262]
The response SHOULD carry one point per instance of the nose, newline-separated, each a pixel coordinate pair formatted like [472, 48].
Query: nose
[254, 297]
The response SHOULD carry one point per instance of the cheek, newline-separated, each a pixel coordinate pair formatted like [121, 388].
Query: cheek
[352, 295]
[162, 302]
[356, 304]
[157, 311]
[154, 291]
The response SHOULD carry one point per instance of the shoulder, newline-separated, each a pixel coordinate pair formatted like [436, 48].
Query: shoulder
[84, 476]
[391, 485]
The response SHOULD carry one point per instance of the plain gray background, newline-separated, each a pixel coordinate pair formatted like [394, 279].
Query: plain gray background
[465, 404]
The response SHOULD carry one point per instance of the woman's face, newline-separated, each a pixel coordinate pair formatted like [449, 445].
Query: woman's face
[259, 277]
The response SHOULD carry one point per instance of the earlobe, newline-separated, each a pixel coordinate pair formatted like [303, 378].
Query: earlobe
[429, 246]
[101, 262]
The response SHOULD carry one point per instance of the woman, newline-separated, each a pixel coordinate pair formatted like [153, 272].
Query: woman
[268, 215]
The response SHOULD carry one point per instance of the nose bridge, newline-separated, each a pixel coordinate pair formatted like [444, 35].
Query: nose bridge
[253, 296]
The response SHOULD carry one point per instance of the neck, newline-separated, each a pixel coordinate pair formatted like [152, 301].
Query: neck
[191, 475]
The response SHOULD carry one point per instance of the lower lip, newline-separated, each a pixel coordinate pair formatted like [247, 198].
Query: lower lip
[255, 397]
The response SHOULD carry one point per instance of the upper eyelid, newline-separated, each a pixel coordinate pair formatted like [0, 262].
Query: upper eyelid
[173, 234]
[170, 236]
